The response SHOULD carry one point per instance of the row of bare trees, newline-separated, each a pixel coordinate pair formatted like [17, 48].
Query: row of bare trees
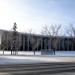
[56, 30]
[50, 30]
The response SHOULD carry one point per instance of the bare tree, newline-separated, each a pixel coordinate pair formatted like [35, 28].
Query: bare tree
[71, 30]
[30, 31]
[71, 33]
[52, 30]
[31, 39]
[14, 39]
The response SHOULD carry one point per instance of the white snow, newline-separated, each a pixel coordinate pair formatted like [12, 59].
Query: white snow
[57, 53]
[29, 57]
[7, 59]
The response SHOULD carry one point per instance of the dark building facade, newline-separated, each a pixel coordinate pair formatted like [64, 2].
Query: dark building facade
[29, 42]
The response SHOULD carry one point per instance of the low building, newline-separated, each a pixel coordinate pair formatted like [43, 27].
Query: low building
[29, 42]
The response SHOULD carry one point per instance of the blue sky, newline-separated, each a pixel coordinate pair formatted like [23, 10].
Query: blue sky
[34, 14]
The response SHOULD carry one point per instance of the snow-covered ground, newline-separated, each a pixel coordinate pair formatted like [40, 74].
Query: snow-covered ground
[65, 53]
[57, 53]
[7, 59]
[28, 57]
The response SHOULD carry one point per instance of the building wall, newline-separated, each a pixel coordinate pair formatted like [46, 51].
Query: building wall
[29, 42]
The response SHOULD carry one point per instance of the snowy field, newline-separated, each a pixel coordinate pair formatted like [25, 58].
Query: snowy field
[7, 59]
[28, 57]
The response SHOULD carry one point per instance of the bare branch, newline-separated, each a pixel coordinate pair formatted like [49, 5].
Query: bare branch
[71, 30]
[52, 30]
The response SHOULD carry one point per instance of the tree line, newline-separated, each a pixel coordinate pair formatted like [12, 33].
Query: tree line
[49, 30]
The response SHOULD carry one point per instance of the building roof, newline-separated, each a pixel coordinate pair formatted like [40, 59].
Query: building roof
[37, 35]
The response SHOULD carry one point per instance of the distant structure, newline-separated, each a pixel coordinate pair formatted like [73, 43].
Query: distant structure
[17, 41]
